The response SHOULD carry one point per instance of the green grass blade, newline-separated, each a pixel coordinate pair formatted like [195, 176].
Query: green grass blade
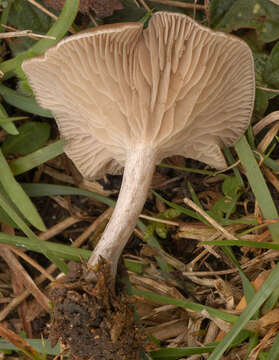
[269, 285]
[18, 196]
[25, 103]
[177, 353]
[271, 301]
[251, 244]
[38, 190]
[9, 127]
[258, 185]
[30, 161]
[196, 216]
[231, 161]
[58, 30]
[7, 120]
[50, 190]
[182, 209]
[32, 237]
[185, 304]
[41, 345]
[61, 251]
[274, 351]
[248, 289]
[191, 170]
[5, 14]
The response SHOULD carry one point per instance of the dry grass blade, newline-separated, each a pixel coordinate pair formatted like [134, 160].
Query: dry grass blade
[20, 343]
[43, 9]
[269, 136]
[22, 33]
[220, 228]
[13, 34]
[29, 260]
[181, 4]
[267, 120]
[162, 221]
[268, 89]
[19, 271]
[147, 8]
[55, 230]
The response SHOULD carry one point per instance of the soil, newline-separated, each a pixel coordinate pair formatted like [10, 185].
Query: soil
[91, 321]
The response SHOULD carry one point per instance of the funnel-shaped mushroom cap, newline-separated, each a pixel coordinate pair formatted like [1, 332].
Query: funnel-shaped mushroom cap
[176, 87]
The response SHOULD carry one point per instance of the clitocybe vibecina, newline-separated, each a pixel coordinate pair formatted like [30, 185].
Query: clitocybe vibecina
[124, 96]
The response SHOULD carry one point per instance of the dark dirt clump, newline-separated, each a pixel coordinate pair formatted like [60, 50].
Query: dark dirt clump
[91, 320]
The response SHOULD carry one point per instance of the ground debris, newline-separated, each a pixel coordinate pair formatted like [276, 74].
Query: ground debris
[102, 8]
[91, 320]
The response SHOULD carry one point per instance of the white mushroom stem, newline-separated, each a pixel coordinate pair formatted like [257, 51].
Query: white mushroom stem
[139, 169]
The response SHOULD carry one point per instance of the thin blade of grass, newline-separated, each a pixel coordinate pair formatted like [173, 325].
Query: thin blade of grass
[196, 216]
[25, 103]
[18, 196]
[274, 351]
[177, 353]
[41, 345]
[49, 190]
[7, 120]
[248, 289]
[248, 243]
[232, 161]
[269, 285]
[58, 30]
[61, 251]
[32, 236]
[191, 170]
[185, 304]
[258, 185]
[30, 161]
[271, 301]
[9, 127]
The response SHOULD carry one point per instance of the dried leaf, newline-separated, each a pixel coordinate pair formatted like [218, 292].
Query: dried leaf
[102, 8]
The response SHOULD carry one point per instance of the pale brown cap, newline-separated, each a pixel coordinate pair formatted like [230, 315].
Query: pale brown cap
[177, 87]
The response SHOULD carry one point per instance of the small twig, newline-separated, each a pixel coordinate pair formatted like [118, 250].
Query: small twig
[85, 235]
[207, 11]
[29, 260]
[269, 136]
[181, 4]
[91, 17]
[267, 89]
[21, 33]
[47, 12]
[143, 3]
[58, 175]
[15, 34]
[58, 228]
[209, 273]
[45, 236]
[267, 120]
[18, 269]
[226, 234]
[167, 222]
[44, 10]
[227, 168]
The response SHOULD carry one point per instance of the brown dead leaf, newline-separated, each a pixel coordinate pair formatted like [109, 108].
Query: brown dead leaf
[102, 8]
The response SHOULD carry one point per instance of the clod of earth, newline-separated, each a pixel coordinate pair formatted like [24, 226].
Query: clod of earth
[91, 321]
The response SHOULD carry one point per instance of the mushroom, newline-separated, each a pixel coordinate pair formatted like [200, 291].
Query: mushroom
[127, 97]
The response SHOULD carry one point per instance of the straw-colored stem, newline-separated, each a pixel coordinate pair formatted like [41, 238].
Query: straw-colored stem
[139, 168]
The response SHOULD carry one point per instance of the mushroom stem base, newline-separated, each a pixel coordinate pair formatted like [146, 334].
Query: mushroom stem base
[139, 169]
